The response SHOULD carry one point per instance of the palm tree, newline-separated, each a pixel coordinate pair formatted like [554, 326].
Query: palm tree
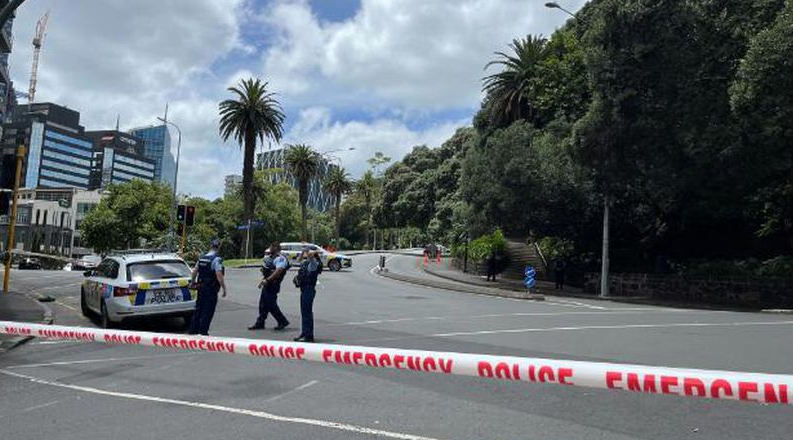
[509, 89]
[338, 183]
[367, 188]
[302, 162]
[254, 113]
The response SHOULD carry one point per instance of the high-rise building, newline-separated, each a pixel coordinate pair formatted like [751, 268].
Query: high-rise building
[157, 147]
[7, 97]
[59, 155]
[318, 199]
[233, 181]
[118, 158]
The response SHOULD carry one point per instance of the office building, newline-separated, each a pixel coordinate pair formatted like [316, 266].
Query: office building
[318, 199]
[118, 158]
[7, 97]
[233, 181]
[59, 154]
[157, 147]
[48, 220]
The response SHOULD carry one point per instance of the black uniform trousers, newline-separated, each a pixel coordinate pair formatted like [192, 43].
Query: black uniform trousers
[268, 304]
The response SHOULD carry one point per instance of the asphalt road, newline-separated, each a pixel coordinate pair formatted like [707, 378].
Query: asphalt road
[69, 390]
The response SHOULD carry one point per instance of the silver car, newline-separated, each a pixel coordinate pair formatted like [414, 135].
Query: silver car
[126, 286]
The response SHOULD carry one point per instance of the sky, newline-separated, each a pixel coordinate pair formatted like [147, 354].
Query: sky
[366, 75]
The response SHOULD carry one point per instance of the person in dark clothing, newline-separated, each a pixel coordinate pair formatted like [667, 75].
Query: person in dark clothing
[208, 275]
[491, 265]
[558, 269]
[310, 268]
[274, 269]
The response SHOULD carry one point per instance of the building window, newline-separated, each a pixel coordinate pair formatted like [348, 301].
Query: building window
[38, 216]
[45, 218]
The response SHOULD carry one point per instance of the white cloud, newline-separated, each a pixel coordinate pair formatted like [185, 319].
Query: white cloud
[110, 57]
[410, 53]
[316, 127]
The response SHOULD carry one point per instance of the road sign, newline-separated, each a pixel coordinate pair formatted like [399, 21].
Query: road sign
[243, 227]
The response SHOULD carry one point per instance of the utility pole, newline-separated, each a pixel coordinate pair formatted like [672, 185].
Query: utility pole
[604, 269]
[12, 222]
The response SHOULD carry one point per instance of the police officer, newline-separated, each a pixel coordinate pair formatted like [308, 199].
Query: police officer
[274, 270]
[208, 273]
[310, 268]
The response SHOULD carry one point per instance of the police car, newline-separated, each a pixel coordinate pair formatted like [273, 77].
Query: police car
[138, 283]
[333, 261]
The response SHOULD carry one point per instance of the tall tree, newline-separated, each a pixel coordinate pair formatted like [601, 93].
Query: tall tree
[254, 113]
[508, 90]
[375, 162]
[367, 187]
[338, 183]
[302, 162]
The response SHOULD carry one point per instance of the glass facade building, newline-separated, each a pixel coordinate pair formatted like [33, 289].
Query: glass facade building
[59, 154]
[318, 199]
[118, 158]
[157, 147]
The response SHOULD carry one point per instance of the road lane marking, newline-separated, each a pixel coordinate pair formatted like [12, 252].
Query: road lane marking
[43, 405]
[56, 287]
[294, 390]
[577, 304]
[92, 361]
[613, 327]
[623, 311]
[231, 410]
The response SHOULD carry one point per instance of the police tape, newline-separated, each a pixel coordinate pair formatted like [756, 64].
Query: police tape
[752, 387]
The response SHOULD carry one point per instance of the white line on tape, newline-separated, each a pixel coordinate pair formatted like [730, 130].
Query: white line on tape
[613, 327]
[756, 387]
[239, 411]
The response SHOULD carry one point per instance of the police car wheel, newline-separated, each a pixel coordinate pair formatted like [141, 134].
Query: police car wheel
[187, 318]
[334, 265]
[83, 305]
[105, 318]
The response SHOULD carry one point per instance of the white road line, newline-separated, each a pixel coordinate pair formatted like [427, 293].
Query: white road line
[238, 411]
[613, 327]
[55, 342]
[576, 304]
[93, 361]
[622, 311]
[56, 287]
[44, 405]
[300, 388]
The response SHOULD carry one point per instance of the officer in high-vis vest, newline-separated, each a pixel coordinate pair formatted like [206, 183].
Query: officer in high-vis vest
[208, 274]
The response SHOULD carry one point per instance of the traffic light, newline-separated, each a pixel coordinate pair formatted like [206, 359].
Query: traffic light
[189, 215]
[180, 210]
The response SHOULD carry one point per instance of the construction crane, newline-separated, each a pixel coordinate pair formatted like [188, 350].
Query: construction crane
[38, 40]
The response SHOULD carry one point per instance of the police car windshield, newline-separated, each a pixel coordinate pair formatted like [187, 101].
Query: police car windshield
[157, 270]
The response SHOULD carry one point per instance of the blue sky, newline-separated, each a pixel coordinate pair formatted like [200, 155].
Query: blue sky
[374, 75]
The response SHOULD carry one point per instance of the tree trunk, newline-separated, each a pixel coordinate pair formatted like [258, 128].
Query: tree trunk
[247, 176]
[338, 219]
[303, 214]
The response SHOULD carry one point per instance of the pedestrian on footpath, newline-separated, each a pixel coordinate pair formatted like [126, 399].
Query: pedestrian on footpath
[491, 264]
[209, 275]
[310, 268]
[274, 269]
[558, 268]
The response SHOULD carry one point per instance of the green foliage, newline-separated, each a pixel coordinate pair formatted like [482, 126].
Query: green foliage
[254, 114]
[556, 247]
[480, 248]
[128, 213]
[302, 163]
[778, 267]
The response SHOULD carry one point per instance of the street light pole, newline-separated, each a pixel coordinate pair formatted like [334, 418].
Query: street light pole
[175, 180]
[604, 267]
[12, 221]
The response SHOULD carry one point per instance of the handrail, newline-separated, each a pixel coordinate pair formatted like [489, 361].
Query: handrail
[542, 257]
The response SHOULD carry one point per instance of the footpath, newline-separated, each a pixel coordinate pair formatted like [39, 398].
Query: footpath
[20, 308]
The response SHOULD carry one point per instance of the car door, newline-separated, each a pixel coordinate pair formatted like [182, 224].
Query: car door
[92, 286]
[101, 280]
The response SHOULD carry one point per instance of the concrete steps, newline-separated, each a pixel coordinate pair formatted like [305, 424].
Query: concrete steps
[521, 255]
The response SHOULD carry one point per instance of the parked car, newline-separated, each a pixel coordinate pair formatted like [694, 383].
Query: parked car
[87, 262]
[30, 263]
[125, 286]
[332, 260]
